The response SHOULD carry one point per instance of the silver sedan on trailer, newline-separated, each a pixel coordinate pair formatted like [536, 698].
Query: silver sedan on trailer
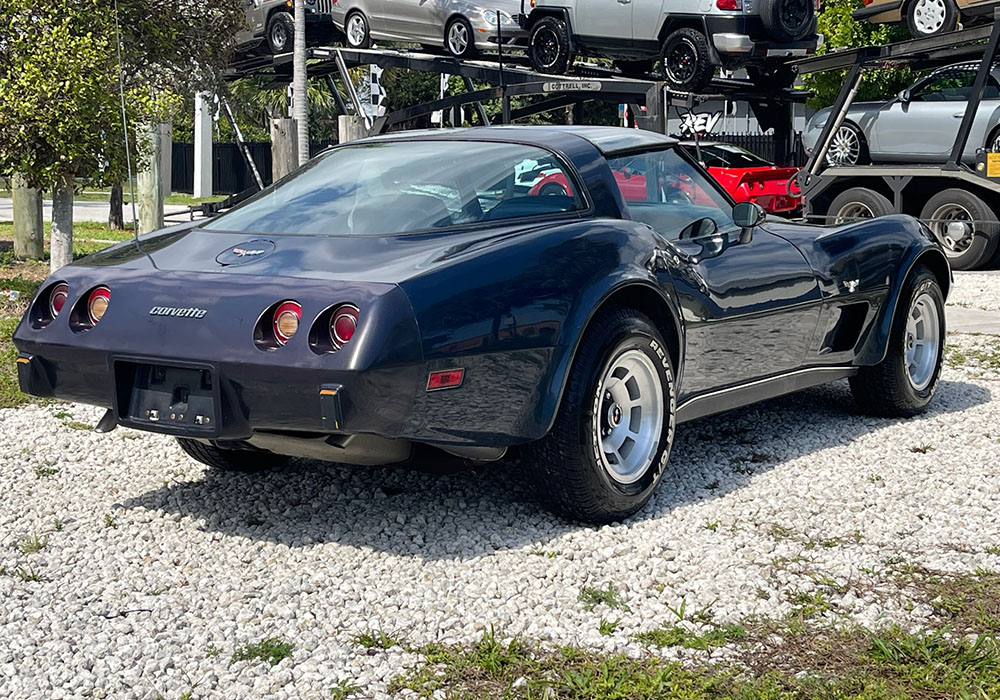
[461, 27]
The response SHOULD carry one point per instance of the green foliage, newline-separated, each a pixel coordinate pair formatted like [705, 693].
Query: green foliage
[271, 650]
[377, 639]
[591, 597]
[841, 31]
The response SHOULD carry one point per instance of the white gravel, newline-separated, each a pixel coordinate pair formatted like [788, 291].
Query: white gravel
[976, 290]
[159, 569]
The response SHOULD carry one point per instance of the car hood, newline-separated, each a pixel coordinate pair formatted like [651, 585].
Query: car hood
[389, 259]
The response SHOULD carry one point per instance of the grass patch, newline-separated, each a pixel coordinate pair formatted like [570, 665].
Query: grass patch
[10, 393]
[344, 689]
[825, 664]
[377, 639]
[592, 597]
[967, 604]
[677, 636]
[30, 544]
[272, 650]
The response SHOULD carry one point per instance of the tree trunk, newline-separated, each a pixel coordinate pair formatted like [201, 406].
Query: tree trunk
[61, 244]
[149, 190]
[284, 148]
[29, 237]
[116, 219]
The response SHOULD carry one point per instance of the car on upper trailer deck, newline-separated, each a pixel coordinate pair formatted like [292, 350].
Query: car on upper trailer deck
[411, 290]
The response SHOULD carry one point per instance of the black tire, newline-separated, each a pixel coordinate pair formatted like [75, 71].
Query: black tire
[788, 20]
[362, 38]
[280, 33]
[919, 27]
[859, 155]
[686, 60]
[549, 48]
[638, 67]
[857, 203]
[231, 460]
[566, 465]
[979, 241]
[461, 26]
[552, 189]
[886, 389]
[772, 77]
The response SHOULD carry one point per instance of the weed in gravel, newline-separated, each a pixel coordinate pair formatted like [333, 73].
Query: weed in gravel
[377, 639]
[110, 521]
[965, 603]
[30, 544]
[272, 650]
[27, 574]
[543, 553]
[712, 525]
[608, 627]
[77, 425]
[762, 594]
[344, 689]
[780, 532]
[58, 525]
[592, 597]
[921, 449]
[213, 651]
[45, 470]
[676, 636]
[875, 479]
[712, 486]
[993, 550]
[807, 604]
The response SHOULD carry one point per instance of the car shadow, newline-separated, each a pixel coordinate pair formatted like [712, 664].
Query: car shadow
[471, 513]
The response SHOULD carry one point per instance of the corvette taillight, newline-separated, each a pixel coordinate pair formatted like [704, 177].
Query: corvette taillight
[285, 321]
[57, 298]
[343, 323]
[97, 304]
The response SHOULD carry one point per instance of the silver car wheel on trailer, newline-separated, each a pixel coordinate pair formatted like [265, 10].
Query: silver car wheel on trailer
[356, 30]
[929, 16]
[630, 416]
[845, 149]
[458, 38]
[955, 239]
[922, 341]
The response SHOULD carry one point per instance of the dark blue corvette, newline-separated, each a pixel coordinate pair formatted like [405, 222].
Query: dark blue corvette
[414, 290]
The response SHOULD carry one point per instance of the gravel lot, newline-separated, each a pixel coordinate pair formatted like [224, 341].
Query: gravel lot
[128, 571]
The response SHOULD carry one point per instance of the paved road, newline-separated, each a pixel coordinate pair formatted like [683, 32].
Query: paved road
[82, 211]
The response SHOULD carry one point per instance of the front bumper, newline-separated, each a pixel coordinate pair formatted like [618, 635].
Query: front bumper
[487, 38]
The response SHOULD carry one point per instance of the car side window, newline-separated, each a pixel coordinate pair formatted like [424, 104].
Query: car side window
[947, 86]
[667, 193]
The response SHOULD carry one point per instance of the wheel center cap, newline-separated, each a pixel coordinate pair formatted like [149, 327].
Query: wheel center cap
[614, 415]
[909, 342]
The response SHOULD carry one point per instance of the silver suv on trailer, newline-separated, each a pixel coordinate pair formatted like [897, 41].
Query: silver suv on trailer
[690, 37]
[271, 25]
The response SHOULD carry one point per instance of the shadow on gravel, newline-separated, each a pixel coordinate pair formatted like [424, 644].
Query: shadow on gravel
[411, 513]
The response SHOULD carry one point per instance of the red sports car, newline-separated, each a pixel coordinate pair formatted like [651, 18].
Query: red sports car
[746, 177]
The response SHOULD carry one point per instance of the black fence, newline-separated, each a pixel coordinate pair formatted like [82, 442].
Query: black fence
[763, 145]
[230, 173]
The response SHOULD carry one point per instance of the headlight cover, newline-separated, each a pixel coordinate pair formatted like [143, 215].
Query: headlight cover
[490, 17]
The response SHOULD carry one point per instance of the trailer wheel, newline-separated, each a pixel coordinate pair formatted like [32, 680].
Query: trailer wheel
[964, 225]
[931, 17]
[857, 203]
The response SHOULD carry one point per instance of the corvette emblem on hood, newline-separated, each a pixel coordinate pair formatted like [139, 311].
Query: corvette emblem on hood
[245, 252]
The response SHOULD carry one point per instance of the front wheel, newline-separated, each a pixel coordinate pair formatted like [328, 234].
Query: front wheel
[611, 439]
[357, 32]
[280, 33]
[687, 63]
[848, 147]
[549, 46]
[904, 382]
[459, 39]
[231, 460]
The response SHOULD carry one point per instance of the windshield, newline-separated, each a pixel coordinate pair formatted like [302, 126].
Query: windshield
[723, 155]
[404, 186]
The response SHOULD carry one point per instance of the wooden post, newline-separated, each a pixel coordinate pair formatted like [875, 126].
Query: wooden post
[203, 144]
[61, 241]
[166, 156]
[29, 238]
[350, 128]
[284, 147]
[149, 190]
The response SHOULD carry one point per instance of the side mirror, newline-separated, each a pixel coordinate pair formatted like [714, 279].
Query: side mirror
[702, 228]
[747, 215]
[903, 95]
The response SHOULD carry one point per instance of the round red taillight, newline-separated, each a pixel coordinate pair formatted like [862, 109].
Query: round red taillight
[57, 298]
[97, 304]
[343, 323]
[286, 321]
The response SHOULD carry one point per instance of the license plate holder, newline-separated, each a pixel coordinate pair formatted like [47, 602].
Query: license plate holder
[168, 397]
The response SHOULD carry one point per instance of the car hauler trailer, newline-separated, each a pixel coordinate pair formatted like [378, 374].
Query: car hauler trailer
[964, 201]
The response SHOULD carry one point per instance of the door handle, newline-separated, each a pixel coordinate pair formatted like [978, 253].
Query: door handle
[958, 115]
[624, 2]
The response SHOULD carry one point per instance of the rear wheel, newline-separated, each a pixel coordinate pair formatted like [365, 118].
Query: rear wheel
[611, 439]
[931, 17]
[964, 225]
[904, 382]
[857, 203]
[231, 460]
[280, 33]
[687, 63]
[549, 46]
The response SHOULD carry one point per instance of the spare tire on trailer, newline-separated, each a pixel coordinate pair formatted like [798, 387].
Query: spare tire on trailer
[788, 20]
[972, 244]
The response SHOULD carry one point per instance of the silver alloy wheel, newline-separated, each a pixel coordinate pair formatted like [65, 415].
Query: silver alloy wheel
[845, 148]
[629, 417]
[922, 341]
[940, 224]
[995, 143]
[458, 38]
[356, 30]
[929, 15]
[852, 211]
[279, 37]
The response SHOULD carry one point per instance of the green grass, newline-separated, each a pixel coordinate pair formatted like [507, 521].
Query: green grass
[10, 394]
[271, 650]
[676, 636]
[31, 544]
[592, 597]
[826, 665]
[377, 639]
